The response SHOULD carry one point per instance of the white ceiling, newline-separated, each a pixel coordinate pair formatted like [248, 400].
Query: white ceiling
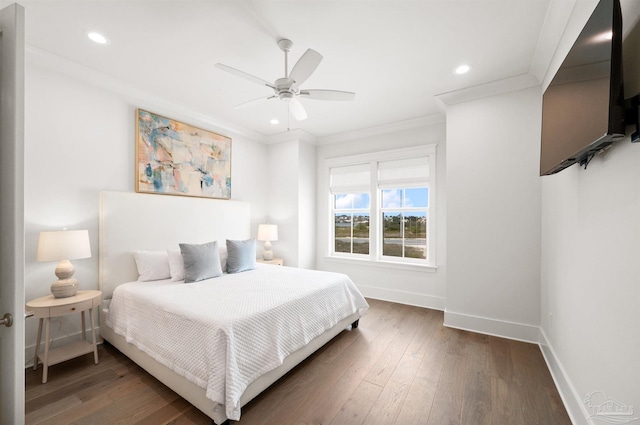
[396, 55]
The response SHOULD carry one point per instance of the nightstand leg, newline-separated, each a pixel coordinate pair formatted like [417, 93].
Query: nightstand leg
[35, 357]
[45, 359]
[93, 336]
[84, 332]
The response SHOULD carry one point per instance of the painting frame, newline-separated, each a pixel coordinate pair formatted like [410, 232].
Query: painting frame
[174, 158]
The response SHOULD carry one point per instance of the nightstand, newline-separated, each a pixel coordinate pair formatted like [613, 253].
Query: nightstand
[275, 261]
[48, 307]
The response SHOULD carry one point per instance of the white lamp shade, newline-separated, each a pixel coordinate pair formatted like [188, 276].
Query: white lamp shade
[268, 232]
[63, 245]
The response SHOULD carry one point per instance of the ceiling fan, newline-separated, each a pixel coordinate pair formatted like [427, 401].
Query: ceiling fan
[288, 87]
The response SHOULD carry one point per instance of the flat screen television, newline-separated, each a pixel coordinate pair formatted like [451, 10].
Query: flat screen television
[583, 107]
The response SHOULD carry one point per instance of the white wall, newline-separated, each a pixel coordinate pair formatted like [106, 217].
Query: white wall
[283, 199]
[493, 214]
[591, 269]
[424, 288]
[307, 211]
[292, 200]
[79, 140]
[591, 275]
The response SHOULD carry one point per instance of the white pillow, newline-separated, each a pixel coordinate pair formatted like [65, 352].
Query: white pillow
[223, 257]
[176, 264]
[152, 265]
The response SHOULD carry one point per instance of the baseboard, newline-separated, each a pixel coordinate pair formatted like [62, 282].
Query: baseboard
[570, 397]
[30, 351]
[484, 325]
[401, 297]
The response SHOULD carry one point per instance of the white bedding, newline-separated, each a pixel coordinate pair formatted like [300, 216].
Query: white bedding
[223, 333]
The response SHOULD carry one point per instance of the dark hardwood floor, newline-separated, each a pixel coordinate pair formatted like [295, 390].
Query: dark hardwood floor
[401, 366]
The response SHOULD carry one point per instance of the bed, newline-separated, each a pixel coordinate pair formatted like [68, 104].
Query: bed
[224, 340]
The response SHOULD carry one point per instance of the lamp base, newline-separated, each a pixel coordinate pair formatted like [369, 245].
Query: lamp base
[267, 254]
[63, 288]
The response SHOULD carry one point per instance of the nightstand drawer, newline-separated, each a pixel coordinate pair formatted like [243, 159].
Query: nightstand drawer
[62, 310]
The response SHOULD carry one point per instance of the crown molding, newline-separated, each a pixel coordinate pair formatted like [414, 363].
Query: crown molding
[554, 26]
[424, 121]
[137, 97]
[520, 82]
[555, 22]
[295, 134]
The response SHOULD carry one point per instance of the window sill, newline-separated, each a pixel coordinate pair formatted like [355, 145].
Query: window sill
[383, 264]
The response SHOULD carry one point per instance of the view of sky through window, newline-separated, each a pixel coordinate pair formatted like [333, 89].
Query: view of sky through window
[413, 198]
[352, 201]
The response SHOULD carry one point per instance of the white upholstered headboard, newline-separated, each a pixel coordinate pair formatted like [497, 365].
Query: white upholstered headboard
[139, 221]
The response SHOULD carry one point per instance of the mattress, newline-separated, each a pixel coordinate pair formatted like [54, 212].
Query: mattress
[223, 333]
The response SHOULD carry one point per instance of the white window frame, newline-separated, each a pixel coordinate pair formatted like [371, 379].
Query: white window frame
[375, 211]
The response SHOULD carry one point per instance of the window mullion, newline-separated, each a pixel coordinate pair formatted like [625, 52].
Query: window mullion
[352, 232]
[402, 223]
[374, 211]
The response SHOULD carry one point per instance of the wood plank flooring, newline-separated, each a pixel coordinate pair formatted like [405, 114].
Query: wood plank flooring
[401, 366]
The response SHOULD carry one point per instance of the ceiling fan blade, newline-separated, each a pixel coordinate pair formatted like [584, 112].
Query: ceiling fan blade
[305, 66]
[253, 102]
[244, 75]
[297, 110]
[320, 94]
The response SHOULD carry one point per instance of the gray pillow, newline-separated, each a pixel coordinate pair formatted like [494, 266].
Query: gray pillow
[200, 261]
[241, 255]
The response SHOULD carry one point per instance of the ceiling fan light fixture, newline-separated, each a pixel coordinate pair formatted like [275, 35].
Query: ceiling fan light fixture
[286, 96]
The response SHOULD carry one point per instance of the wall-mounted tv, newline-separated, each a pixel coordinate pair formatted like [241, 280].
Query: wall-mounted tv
[583, 107]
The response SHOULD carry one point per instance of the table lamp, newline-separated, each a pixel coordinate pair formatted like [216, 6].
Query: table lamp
[267, 233]
[62, 246]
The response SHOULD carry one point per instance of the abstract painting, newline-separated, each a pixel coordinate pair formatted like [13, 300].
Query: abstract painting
[179, 159]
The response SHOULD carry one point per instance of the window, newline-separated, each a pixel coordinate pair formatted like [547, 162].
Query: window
[404, 222]
[351, 206]
[351, 223]
[382, 206]
[404, 202]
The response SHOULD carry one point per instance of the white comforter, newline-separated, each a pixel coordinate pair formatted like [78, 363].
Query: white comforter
[223, 333]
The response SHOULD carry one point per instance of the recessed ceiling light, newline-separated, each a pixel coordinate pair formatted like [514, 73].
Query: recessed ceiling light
[462, 69]
[97, 37]
[274, 121]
